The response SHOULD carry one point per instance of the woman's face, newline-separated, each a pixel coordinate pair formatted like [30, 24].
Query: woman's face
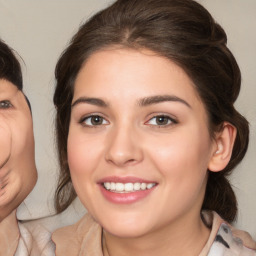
[17, 163]
[138, 143]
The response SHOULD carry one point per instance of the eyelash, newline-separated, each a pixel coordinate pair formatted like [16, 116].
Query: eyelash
[84, 119]
[5, 104]
[170, 121]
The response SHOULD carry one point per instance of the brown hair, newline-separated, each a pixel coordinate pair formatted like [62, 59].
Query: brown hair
[182, 31]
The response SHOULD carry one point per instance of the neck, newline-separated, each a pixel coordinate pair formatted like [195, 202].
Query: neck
[8, 217]
[184, 237]
[9, 234]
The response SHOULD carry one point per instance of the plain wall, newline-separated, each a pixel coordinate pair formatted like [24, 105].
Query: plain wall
[40, 30]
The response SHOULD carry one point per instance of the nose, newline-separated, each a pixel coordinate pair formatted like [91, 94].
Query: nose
[5, 143]
[124, 146]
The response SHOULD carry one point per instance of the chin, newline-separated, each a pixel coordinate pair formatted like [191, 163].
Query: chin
[8, 202]
[125, 232]
[128, 228]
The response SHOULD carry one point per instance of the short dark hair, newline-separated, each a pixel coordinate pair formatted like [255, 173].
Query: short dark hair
[182, 31]
[10, 68]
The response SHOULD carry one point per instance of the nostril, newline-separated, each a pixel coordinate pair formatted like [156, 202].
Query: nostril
[122, 148]
[131, 161]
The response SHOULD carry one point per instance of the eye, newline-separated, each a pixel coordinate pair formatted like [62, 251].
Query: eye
[161, 120]
[5, 104]
[93, 120]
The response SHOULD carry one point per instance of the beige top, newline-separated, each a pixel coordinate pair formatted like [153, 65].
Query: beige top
[85, 238]
[34, 241]
[16, 239]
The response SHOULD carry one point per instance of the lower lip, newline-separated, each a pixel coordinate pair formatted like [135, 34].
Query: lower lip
[125, 198]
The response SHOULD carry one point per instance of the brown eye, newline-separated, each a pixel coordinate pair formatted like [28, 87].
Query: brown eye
[5, 104]
[161, 120]
[94, 120]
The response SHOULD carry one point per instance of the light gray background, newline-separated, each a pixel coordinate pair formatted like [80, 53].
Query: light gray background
[40, 29]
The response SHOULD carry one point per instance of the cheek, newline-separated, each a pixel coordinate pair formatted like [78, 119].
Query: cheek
[83, 159]
[83, 154]
[23, 157]
[183, 156]
[183, 167]
[23, 137]
[5, 142]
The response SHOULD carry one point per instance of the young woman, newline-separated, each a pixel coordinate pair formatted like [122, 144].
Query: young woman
[148, 133]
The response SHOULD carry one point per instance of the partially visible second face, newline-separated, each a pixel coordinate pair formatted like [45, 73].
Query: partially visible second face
[17, 161]
[138, 144]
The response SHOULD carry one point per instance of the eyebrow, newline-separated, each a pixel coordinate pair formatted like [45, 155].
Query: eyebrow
[142, 102]
[161, 98]
[92, 101]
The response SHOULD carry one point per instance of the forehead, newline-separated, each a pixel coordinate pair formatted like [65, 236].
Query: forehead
[121, 69]
[7, 87]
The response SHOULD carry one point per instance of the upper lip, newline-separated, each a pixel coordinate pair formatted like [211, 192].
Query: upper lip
[128, 179]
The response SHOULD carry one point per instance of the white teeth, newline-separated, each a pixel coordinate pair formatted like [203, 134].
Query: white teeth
[107, 185]
[143, 186]
[113, 186]
[136, 186]
[119, 187]
[127, 187]
[150, 185]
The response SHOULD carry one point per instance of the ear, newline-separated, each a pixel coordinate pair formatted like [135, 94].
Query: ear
[222, 148]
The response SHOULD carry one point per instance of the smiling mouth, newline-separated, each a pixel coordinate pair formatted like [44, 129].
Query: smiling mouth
[117, 187]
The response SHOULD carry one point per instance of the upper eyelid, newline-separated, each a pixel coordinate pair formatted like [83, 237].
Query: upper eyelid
[5, 100]
[172, 119]
[92, 115]
[157, 114]
[150, 116]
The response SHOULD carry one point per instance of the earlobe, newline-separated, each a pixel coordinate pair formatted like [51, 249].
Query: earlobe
[222, 150]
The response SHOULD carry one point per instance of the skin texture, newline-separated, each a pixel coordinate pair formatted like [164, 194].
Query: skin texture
[129, 141]
[18, 171]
